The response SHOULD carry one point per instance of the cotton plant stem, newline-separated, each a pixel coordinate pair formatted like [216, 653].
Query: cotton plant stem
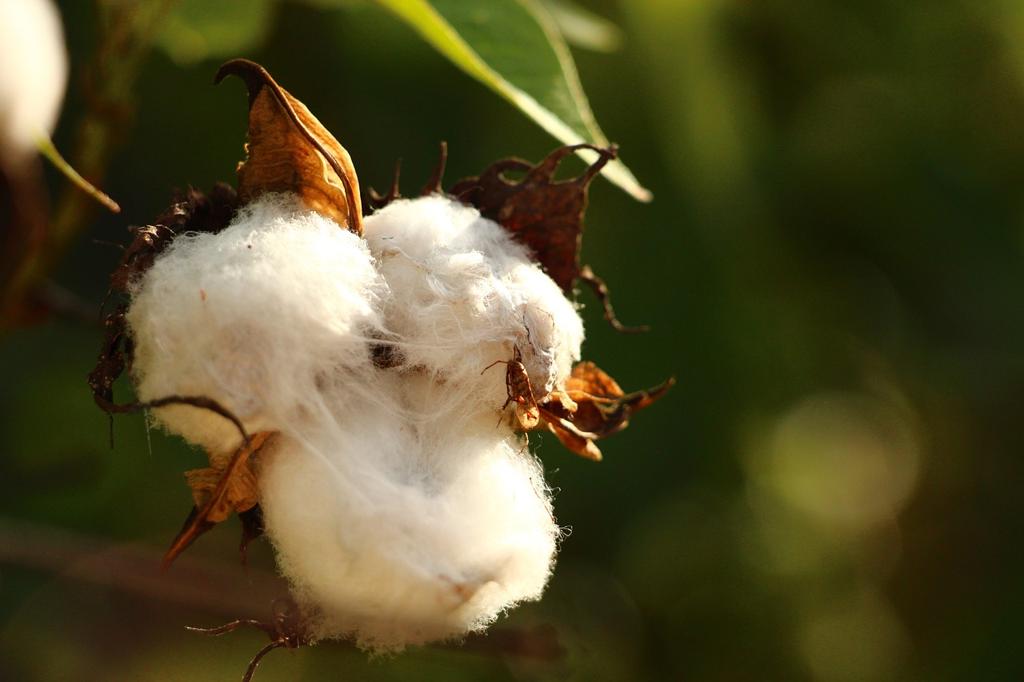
[50, 152]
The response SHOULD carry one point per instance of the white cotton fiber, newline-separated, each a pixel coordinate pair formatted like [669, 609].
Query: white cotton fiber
[33, 73]
[402, 507]
[400, 532]
[463, 293]
[254, 317]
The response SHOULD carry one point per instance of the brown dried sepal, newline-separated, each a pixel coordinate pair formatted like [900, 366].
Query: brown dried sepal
[241, 493]
[147, 242]
[557, 410]
[589, 407]
[544, 214]
[289, 150]
[218, 493]
[596, 407]
[190, 211]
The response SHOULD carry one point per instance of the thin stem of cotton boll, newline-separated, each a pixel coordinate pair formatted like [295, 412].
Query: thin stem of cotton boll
[250, 671]
[50, 152]
[227, 627]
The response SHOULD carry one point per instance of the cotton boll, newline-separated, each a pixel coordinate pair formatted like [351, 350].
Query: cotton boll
[402, 532]
[400, 510]
[463, 293]
[256, 317]
[33, 73]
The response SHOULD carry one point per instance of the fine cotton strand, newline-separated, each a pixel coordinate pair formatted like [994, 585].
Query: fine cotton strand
[401, 505]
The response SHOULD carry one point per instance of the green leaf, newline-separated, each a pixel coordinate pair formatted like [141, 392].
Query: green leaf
[214, 29]
[514, 47]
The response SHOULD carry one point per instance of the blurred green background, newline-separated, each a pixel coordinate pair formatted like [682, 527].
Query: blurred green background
[833, 268]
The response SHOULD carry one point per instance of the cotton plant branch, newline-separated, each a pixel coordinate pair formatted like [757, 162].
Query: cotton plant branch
[197, 583]
[135, 569]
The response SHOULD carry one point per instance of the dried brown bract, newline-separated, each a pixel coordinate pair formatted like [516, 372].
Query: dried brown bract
[289, 150]
[589, 407]
[544, 214]
[595, 406]
[220, 492]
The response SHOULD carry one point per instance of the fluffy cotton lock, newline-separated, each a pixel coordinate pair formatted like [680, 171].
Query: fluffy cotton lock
[256, 317]
[33, 73]
[401, 505]
[463, 294]
[402, 532]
